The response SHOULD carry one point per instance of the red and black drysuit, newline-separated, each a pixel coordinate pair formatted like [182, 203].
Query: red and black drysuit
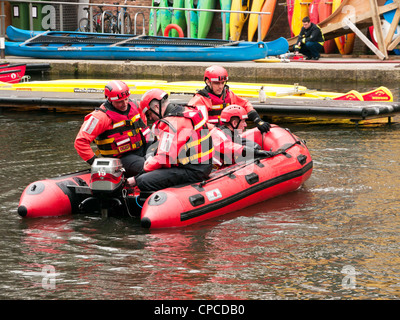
[184, 153]
[124, 135]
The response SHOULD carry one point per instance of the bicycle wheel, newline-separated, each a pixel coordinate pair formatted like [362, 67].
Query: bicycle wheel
[127, 21]
[83, 25]
[97, 22]
[108, 23]
[113, 24]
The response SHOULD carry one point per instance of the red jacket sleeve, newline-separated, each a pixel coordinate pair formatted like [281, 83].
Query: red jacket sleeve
[246, 104]
[95, 123]
[172, 137]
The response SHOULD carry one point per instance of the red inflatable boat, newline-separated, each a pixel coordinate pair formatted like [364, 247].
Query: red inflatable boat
[227, 190]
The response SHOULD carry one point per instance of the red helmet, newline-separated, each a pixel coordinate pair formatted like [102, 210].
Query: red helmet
[216, 73]
[149, 96]
[233, 111]
[116, 90]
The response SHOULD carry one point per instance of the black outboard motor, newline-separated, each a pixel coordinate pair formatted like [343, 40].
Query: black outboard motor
[106, 185]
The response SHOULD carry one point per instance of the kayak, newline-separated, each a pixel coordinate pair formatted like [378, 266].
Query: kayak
[243, 89]
[228, 189]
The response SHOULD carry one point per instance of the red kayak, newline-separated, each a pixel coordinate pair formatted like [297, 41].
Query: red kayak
[12, 73]
[229, 189]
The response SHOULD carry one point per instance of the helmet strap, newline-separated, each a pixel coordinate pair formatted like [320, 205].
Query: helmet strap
[236, 126]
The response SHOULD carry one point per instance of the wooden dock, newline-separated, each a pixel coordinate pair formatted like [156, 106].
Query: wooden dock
[282, 107]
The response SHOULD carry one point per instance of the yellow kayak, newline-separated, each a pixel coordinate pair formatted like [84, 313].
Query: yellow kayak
[141, 86]
[79, 85]
[247, 90]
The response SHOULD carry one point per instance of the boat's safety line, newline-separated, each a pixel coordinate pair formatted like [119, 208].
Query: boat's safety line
[249, 191]
[282, 151]
[56, 39]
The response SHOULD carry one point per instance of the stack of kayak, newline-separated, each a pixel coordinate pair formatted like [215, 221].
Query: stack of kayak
[247, 90]
[98, 46]
[200, 22]
[229, 189]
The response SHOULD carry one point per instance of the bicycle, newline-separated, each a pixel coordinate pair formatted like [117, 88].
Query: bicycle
[84, 24]
[121, 22]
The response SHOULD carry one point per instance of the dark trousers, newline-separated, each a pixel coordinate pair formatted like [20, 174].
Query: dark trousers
[133, 161]
[311, 49]
[169, 177]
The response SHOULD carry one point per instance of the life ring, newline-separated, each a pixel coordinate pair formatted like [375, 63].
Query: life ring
[173, 26]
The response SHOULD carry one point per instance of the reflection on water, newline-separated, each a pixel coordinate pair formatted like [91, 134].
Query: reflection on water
[335, 238]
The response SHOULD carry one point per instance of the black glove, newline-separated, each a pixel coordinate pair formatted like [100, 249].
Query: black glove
[91, 160]
[263, 126]
[249, 152]
[263, 154]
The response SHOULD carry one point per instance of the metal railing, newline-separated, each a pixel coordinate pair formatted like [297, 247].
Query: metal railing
[92, 5]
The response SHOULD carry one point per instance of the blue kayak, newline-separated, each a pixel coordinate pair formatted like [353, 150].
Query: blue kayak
[99, 46]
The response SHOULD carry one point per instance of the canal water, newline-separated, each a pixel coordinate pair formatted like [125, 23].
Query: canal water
[337, 237]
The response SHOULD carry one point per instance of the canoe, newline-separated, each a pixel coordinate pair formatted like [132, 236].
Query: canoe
[381, 94]
[154, 3]
[237, 20]
[192, 18]
[178, 17]
[205, 18]
[141, 86]
[226, 5]
[80, 86]
[290, 7]
[165, 15]
[313, 11]
[252, 25]
[247, 90]
[268, 6]
[243, 51]
[300, 10]
[345, 43]
[12, 73]
[229, 189]
[324, 11]
[80, 45]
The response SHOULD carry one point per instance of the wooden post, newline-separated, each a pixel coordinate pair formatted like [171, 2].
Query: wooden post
[364, 39]
[389, 43]
[393, 27]
[378, 27]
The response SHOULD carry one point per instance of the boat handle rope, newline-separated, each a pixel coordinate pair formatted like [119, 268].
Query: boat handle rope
[124, 196]
[255, 160]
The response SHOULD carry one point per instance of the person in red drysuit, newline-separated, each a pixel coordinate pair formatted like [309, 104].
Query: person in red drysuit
[118, 128]
[229, 146]
[185, 149]
[216, 96]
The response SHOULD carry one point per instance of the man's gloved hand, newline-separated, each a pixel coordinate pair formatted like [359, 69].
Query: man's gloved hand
[91, 160]
[263, 126]
[263, 154]
[256, 153]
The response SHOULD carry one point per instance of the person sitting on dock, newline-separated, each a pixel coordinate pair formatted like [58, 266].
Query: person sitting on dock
[230, 147]
[216, 96]
[118, 128]
[310, 40]
[185, 148]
